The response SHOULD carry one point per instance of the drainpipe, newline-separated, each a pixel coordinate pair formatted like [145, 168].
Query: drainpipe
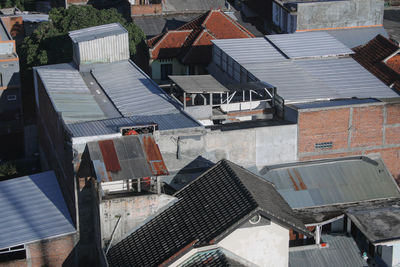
[112, 235]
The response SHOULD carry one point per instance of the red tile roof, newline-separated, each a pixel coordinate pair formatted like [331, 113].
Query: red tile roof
[169, 44]
[196, 48]
[372, 55]
[394, 63]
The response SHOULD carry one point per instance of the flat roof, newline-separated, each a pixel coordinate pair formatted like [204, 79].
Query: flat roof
[380, 223]
[32, 209]
[198, 84]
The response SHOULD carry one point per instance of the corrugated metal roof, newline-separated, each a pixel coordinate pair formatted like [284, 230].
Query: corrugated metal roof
[127, 157]
[332, 182]
[354, 37]
[341, 251]
[335, 103]
[309, 44]
[249, 50]
[96, 32]
[318, 79]
[131, 91]
[111, 126]
[69, 93]
[32, 208]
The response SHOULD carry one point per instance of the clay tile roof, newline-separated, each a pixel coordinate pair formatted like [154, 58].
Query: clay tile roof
[170, 44]
[394, 63]
[372, 55]
[213, 24]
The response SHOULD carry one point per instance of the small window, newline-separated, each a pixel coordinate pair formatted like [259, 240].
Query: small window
[5, 66]
[379, 251]
[325, 145]
[166, 69]
[11, 97]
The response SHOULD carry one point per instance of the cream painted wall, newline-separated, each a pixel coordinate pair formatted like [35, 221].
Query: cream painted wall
[266, 245]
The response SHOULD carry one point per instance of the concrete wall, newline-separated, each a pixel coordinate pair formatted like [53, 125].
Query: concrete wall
[258, 146]
[353, 130]
[132, 210]
[177, 68]
[266, 245]
[334, 14]
[396, 254]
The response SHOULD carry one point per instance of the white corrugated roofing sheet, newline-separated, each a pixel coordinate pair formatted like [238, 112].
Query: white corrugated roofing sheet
[96, 32]
[309, 44]
[320, 79]
[69, 93]
[131, 91]
[249, 50]
[32, 208]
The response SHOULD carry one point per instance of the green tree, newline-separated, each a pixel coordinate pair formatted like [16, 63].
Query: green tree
[50, 43]
[20, 4]
[7, 170]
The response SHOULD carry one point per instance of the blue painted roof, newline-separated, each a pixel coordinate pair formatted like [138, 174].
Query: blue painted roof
[32, 208]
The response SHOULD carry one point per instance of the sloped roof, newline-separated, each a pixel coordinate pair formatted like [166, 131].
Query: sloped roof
[380, 223]
[91, 33]
[341, 251]
[309, 44]
[213, 24]
[207, 209]
[32, 209]
[332, 182]
[215, 257]
[127, 157]
[371, 57]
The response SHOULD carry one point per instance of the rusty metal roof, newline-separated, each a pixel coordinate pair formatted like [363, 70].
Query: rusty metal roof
[127, 157]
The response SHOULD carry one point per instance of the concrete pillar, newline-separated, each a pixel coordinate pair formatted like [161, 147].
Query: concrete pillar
[318, 234]
[348, 225]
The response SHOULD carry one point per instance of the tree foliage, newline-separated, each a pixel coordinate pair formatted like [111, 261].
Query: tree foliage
[7, 170]
[50, 43]
[20, 4]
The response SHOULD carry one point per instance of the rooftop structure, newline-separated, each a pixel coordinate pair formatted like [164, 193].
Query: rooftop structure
[374, 56]
[339, 250]
[332, 182]
[380, 223]
[107, 96]
[100, 44]
[301, 69]
[191, 43]
[127, 157]
[33, 209]
[208, 209]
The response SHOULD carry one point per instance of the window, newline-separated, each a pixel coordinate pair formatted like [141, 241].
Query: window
[11, 254]
[166, 69]
[379, 251]
[325, 145]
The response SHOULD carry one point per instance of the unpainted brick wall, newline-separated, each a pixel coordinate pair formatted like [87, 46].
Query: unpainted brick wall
[53, 252]
[361, 130]
[137, 10]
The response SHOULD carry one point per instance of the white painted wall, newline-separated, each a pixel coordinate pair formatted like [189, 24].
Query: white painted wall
[396, 254]
[266, 245]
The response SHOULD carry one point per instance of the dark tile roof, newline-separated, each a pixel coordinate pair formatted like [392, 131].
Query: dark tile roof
[207, 210]
[371, 57]
[195, 38]
[210, 258]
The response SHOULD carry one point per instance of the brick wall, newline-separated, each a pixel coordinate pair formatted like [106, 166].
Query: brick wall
[53, 252]
[353, 130]
[137, 10]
